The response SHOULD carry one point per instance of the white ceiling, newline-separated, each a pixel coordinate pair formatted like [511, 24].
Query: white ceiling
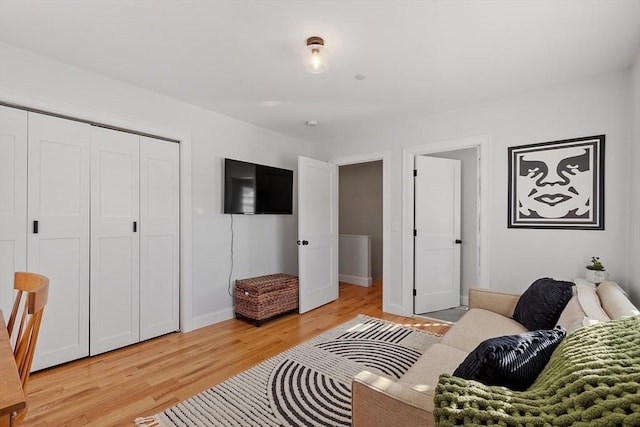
[244, 59]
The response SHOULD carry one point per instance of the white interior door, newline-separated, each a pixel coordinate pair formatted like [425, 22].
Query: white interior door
[58, 247]
[115, 274]
[159, 237]
[13, 201]
[317, 233]
[437, 234]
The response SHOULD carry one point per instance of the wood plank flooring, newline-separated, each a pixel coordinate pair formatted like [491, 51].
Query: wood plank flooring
[114, 388]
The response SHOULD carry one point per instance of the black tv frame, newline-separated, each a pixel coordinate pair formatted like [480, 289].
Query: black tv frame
[270, 196]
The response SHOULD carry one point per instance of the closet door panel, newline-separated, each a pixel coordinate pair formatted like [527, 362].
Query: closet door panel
[114, 314]
[159, 244]
[13, 201]
[58, 199]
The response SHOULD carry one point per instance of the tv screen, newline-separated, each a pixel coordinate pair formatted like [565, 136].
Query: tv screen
[250, 188]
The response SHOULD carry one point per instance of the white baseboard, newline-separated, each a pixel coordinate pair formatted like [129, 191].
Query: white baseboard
[212, 318]
[356, 280]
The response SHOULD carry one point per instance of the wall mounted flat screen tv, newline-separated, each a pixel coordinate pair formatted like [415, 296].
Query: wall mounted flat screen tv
[251, 188]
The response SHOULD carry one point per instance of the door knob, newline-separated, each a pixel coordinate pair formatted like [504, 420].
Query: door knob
[305, 242]
[458, 242]
[298, 242]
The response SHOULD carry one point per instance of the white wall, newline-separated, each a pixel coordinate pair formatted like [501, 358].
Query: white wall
[599, 105]
[263, 244]
[634, 178]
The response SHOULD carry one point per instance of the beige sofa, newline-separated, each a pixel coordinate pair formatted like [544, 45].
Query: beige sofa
[380, 401]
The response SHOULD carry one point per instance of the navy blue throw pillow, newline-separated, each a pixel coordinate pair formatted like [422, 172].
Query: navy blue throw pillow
[512, 361]
[540, 306]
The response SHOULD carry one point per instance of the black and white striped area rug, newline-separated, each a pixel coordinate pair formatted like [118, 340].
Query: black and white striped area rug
[308, 385]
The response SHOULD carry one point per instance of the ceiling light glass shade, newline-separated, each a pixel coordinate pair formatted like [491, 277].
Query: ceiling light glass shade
[315, 63]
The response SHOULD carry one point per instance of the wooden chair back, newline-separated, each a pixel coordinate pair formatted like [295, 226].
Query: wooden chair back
[24, 322]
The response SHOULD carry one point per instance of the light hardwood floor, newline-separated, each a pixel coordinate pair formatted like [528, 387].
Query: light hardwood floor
[114, 388]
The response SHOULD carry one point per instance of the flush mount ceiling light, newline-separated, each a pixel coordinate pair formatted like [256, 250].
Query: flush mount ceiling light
[315, 64]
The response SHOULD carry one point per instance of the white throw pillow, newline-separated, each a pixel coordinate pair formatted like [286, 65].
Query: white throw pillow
[589, 301]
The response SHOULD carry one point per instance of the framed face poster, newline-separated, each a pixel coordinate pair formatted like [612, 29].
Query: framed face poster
[558, 184]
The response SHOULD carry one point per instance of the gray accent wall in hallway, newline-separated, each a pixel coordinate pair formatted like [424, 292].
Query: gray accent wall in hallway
[361, 206]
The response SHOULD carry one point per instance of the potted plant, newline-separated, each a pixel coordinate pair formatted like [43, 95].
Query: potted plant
[595, 271]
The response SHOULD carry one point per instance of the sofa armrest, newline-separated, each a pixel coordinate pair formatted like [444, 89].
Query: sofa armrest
[615, 301]
[381, 402]
[503, 303]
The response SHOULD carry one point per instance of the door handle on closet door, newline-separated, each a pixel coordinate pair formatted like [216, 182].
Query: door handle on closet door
[135, 226]
[35, 227]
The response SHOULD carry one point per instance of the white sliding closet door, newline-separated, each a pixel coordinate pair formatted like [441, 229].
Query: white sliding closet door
[159, 237]
[114, 313]
[13, 201]
[58, 246]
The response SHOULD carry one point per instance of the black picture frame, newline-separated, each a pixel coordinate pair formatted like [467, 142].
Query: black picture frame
[557, 184]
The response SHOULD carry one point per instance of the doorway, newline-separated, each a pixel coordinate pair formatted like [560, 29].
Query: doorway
[383, 159]
[437, 234]
[360, 223]
[465, 244]
[474, 271]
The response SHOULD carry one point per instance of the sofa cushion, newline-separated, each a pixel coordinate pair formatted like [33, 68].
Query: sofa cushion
[478, 325]
[572, 317]
[512, 361]
[540, 305]
[438, 359]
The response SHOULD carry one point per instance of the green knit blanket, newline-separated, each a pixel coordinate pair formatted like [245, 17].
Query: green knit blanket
[592, 379]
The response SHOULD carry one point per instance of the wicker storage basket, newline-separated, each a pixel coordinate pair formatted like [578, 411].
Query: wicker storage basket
[261, 298]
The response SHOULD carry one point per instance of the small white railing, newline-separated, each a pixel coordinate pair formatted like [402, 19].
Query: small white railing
[355, 259]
